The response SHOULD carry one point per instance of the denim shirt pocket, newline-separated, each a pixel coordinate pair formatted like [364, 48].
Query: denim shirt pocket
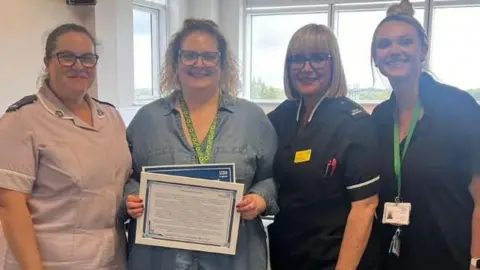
[161, 156]
[243, 157]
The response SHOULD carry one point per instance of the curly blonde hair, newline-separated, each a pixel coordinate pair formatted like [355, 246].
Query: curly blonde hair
[229, 77]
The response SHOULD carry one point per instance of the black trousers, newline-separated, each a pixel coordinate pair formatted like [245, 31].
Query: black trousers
[286, 255]
[298, 255]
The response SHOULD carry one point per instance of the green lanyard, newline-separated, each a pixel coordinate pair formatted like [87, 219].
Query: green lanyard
[397, 160]
[203, 157]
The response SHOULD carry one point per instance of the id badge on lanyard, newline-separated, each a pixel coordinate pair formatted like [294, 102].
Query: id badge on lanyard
[397, 213]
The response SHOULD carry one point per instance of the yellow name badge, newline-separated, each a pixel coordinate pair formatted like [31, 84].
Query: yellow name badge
[303, 156]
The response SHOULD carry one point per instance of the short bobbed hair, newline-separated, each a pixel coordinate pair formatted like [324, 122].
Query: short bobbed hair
[316, 38]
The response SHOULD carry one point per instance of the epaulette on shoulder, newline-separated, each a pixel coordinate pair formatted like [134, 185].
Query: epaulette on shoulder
[22, 102]
[104, 102]
[353, 108]
[358, 113]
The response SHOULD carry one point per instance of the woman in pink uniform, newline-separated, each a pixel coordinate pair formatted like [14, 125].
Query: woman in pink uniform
[64, 160]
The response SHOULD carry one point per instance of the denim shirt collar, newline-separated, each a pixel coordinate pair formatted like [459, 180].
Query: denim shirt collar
[227, 102]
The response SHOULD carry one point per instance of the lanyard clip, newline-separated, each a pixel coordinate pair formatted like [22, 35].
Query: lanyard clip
[395, 243]
[397, 199]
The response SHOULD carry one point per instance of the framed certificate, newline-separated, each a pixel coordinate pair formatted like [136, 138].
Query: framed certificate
[219, 171]
[189, 213]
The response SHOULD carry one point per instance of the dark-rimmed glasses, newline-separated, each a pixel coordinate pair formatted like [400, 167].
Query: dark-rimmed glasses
[68, 59]
[190, 58]
[316, 60]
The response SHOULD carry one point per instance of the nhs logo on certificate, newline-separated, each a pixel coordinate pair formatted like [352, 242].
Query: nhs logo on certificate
[224, 172]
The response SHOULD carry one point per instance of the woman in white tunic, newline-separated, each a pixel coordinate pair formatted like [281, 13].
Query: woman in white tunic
[64, 162]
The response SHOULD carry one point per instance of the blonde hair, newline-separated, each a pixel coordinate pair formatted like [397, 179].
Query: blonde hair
[315, 37]
[229, 78]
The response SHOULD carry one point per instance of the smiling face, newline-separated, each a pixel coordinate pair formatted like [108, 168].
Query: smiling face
[310, 60]
[310, 70]
[398, 51]
[199, 62]
[68, 74]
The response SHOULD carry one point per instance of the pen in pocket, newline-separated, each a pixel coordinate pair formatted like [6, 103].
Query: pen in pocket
[331, 167]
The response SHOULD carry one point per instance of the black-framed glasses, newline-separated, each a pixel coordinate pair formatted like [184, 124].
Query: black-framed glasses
[190, 58]
[316, 60]
[68, 59]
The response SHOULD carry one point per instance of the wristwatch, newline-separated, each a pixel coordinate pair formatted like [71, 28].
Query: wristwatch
[475, 262]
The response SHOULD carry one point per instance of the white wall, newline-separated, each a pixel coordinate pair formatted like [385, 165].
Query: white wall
[114, 28]
[23, 41]
[24, 27]
[21, 49]
[204, 9]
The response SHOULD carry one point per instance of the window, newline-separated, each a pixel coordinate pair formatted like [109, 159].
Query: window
[354, 29]
[271, 23]
[268, 48]
[455, 52]
[149, 37]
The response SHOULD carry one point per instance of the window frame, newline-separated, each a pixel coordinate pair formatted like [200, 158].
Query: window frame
[159, 26]
[332, 7]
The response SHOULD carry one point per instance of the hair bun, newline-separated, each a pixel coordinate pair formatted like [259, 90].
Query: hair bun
[402, 8]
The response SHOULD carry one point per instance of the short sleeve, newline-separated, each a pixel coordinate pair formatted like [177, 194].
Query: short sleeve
[18, 158]
[361, 161]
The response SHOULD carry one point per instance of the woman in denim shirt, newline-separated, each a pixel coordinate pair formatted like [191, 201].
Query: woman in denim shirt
[202, 71]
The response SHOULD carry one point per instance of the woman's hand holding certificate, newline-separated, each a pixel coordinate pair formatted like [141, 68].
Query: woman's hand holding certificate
[251, 206]
[134, 206]
[190, 213]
